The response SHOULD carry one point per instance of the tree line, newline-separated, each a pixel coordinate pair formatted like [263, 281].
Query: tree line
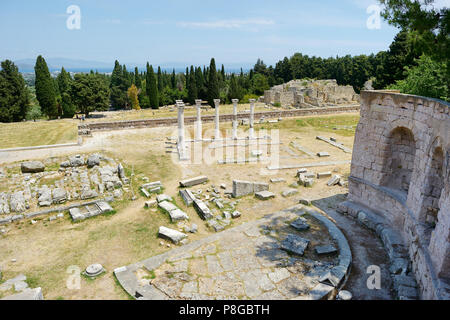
[416, 62]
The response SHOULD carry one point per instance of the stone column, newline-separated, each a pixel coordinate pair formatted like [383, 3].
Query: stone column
[235, 118]
[252, 118]
[198, 104]
[180, 106]
[217, 120]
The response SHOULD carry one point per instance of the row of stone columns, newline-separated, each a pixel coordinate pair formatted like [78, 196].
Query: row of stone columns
[217, 136]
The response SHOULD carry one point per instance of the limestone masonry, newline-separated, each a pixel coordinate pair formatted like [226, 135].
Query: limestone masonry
[310, 94]
[400, 183]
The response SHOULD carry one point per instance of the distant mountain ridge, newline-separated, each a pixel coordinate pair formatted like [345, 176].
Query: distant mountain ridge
[75, 65]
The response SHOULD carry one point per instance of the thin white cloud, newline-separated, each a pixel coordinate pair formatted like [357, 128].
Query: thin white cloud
[112, 21]
[227, 24]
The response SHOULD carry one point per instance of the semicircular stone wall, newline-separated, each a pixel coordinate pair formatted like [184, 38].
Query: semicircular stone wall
[401, 170]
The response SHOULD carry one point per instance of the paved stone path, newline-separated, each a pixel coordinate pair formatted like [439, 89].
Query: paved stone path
[245, 262]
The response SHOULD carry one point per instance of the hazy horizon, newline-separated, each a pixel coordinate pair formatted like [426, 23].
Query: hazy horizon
[179, 33]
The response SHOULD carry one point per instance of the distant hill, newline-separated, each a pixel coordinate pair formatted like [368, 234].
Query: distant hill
[74, 65]
[55, 64]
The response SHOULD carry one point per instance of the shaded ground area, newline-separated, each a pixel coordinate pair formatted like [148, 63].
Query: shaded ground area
[367, 250]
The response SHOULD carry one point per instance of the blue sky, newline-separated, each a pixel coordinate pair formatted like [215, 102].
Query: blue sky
[189, 31]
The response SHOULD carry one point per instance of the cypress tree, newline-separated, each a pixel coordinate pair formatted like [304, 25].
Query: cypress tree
[160, 80]
[199, 81]
[152, 88]
[192, 90]
[14, 96]
[173, 80]
[64, 80]
[137, 78]
[235, 91]
[187, 78]
[213, 83]
[119, 84]
[45, 89]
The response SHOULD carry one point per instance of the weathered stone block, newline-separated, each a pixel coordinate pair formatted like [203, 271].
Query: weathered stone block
[193, 181]
[32, 167]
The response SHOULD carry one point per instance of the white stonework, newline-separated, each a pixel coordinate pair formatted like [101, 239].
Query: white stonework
[401, 171]
[235, 118]
[217, 119]
[252, 119]
[198, 105]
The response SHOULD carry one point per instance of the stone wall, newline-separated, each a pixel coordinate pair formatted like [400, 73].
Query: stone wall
[86, 129]
[401, 170]
[316, 93]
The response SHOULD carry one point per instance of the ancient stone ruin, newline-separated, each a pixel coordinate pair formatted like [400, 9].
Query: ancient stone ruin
[400, 185]
[310, 94]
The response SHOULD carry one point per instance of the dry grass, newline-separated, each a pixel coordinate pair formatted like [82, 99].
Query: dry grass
[44, 251]
[27, 134]
[169, 112]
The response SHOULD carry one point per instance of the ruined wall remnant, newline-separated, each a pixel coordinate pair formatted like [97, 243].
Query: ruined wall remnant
[401, 172]
[310, 93]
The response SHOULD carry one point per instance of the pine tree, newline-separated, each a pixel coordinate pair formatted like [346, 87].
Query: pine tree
[152, 88]
[45, 89]
[213, 83]
[14, 95]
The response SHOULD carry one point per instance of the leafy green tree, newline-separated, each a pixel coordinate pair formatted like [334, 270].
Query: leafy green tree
[133, 96]
[34, 113]
[428, 28]
[260, 67]
[152, 88]
[14, 95]
[427, 79]
[259, 84]
[89, 93]
[213, 83]
[45, 89]
[399, 56]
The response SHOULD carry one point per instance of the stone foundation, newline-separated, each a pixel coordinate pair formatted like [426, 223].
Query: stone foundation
[401, 171]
